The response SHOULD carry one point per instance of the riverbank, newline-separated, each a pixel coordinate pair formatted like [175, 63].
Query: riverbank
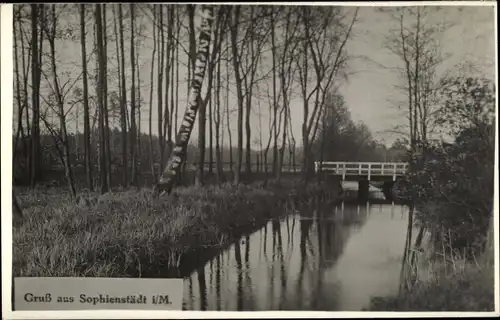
[459, 285]
[130, 234]
[470, 290]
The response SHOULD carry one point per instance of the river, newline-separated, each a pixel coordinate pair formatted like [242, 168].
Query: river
[332, 258]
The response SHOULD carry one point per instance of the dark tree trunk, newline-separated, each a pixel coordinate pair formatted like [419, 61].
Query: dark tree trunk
[236, 67]
[161, 59]
[151, 154]
[133, 126]
[35, 96]
[107, 148]
[123, 102]
[101, 98]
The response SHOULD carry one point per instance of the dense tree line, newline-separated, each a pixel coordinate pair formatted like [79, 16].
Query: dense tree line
[250, 47]
[342, 139]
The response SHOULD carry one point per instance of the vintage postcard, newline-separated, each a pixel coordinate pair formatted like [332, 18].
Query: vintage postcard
[213, 159]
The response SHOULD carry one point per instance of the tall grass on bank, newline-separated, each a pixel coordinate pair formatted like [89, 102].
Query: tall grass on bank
[447, 283]
[131, 234]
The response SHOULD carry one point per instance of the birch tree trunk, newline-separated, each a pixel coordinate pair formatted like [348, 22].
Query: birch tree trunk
[177, 157]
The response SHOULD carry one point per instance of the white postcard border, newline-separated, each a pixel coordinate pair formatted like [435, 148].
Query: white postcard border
[6, 199]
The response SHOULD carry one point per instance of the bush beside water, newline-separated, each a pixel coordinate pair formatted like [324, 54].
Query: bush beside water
[453, 194]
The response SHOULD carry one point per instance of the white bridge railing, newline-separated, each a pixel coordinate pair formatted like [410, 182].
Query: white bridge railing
[387, 169]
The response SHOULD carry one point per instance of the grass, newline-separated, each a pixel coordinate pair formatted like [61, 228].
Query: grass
[457, 285]
[131, 234]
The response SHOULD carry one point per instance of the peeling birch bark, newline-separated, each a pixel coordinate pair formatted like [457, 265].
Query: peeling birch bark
[178, 155]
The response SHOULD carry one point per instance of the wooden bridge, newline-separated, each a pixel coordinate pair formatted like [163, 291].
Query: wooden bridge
[364, 173]
[363, 170]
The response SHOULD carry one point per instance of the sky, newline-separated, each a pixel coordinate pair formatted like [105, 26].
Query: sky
[369, 91]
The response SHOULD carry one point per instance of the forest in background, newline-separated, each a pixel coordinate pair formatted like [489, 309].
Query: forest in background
[59, 125]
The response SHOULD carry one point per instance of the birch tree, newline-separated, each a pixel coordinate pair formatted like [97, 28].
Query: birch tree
[178, 153]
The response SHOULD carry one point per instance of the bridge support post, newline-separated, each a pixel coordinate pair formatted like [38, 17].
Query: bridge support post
[387, 190]
[333, 183]
[363, 190]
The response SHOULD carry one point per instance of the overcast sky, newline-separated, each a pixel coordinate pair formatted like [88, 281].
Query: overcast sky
[369, 92]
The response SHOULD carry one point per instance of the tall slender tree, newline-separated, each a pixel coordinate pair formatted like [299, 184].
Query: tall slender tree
[107, 147]
[227, 108]
[239, 91]
[26, 70]
[178, 154]
[50, 31]
[275, 102]
[101, 97]
[133, 125]
[20, 105]
[35, 95]
[151, 86]
[123, 100]
[161, 62]
[220, 25]
[173, 47]
[178, 30]
[167, 123]
[217, 122]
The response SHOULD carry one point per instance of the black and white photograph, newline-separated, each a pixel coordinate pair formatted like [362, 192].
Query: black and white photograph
[272, 156]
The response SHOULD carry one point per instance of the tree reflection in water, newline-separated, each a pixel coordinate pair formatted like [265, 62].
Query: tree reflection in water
[203, 288]
[284, 276]
[218, 281]
[239, 283]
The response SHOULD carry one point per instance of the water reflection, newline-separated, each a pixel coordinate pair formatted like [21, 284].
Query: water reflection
[203, 288]
[324, 258]
[217, 282]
